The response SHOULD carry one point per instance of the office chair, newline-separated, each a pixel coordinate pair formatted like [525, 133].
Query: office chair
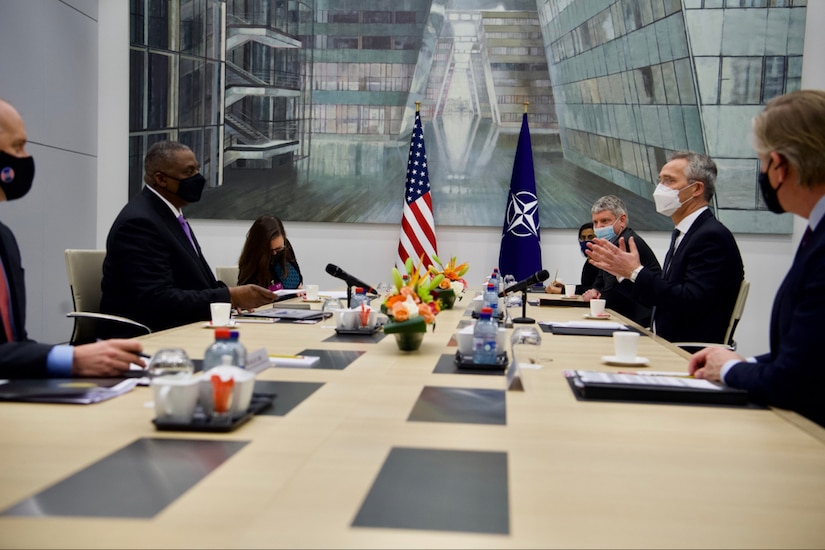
[84, 269]
[736, 315]
[228, 274]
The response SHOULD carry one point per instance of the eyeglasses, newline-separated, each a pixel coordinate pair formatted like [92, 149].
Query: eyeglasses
[280, 249]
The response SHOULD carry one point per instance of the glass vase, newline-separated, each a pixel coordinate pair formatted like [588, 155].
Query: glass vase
[408, 341]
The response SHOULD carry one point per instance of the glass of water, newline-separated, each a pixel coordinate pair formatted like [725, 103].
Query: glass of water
[171, 361]
[331, 309]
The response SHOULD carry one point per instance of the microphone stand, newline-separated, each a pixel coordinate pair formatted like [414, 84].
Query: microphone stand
[349, 296]
[524, 319]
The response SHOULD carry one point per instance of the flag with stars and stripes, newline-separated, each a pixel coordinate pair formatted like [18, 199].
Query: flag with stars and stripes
[520, 253]
[417, 223]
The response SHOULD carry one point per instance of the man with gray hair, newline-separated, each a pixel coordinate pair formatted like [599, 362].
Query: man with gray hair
[695, 293]
[610, 223]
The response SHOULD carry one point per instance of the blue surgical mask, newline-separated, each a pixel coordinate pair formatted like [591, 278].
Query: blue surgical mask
[583, 245]
[605, 233]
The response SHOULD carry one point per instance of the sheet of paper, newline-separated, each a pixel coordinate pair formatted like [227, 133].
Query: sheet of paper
[304, 361]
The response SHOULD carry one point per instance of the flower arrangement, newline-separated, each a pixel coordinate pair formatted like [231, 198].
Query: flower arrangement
[410, 305]
[452, 286]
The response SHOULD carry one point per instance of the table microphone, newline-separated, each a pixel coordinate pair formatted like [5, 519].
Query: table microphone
[535, 278]
[339, 273]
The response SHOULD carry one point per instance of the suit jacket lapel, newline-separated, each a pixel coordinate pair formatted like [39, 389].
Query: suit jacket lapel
[684, 243]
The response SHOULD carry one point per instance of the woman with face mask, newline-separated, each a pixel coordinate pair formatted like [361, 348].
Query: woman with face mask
[267, 258]
[589, 271]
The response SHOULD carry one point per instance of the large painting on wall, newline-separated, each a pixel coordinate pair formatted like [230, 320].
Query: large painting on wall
[319, 99]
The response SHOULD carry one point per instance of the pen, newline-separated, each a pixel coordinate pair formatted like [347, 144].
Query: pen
[276, 356]
[144, 355]
[245, 320]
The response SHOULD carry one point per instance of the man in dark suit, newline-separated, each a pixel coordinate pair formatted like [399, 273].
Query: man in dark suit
[696, 291]
[154, 271]
[610, 223]
[789, 137]
[21, 357]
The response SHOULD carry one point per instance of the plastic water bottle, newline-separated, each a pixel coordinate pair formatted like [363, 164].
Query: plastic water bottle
[222, 346]
[484, 338]
[491, 298]
[495, 278]
[240, 350]
[359, 297]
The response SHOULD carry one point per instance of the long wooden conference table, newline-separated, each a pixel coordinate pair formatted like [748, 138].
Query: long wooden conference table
[377, 448]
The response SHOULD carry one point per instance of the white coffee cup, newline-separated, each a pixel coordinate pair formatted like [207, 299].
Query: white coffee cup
[464, 340]
[175, 398]
[311, 292]
[597, 307]
[241, 390]
[625, 345]
[220, 313]
[569, 290]
[350, 319]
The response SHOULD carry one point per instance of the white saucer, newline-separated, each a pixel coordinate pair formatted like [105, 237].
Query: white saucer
[316, 301]
[613, 360]
[599, 317]
[232, 324]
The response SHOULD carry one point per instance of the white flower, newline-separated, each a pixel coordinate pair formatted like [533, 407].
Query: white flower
[411, 307]
[457, 287]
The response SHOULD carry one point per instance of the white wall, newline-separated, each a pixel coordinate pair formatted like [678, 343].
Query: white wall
[55, 52]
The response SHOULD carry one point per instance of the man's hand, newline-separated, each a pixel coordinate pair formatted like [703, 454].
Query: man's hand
[707, 363]
[251, 296]
[106, 358]
[613, 259]
[555, 287]
[591, 294]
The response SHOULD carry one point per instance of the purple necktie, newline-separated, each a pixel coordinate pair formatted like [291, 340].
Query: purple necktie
[185, 225]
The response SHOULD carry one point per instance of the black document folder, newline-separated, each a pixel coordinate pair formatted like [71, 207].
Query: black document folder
[590, 385]
[582, 331]
[82, 391]
[287, 314]
[563, 302]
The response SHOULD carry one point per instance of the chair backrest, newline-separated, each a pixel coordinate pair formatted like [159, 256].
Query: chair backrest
[228, 274]
[84, 269]
[738, 308]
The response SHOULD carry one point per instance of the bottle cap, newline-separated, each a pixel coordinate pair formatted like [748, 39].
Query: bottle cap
[487, 311]
[359, 290]
[222, 334]
[234, 334]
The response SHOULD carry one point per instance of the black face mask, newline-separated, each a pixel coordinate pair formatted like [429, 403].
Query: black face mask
[16, 175]
[191, 188]
[769, 194]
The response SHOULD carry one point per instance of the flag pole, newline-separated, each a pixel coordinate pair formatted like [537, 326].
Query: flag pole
[417, 106]
[526, 104]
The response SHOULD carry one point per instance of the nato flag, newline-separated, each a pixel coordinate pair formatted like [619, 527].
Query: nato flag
[520, 253]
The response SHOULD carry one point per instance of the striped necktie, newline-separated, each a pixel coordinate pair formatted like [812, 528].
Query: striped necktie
[5, 305]
[185, 225]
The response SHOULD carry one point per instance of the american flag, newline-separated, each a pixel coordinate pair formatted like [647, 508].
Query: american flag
[417, 224]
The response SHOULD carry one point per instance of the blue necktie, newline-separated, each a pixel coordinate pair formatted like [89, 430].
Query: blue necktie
[185, 225]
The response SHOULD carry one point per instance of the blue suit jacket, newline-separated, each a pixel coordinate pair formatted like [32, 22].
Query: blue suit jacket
[694, 300]
[151, 273]
[792, 375]
[25, 357]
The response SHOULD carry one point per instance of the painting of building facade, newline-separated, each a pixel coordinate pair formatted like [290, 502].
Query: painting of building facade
[304, 108]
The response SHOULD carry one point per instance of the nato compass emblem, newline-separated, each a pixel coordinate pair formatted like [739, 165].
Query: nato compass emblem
[523, 214]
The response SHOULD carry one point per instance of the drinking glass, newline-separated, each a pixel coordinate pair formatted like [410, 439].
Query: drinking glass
[331, 309]
[171, 361]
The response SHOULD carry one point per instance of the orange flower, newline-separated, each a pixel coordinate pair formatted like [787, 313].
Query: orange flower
[426, 312]
[399, 312]
[445, 284]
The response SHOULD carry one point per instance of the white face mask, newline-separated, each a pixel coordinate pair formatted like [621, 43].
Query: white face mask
[667, 199]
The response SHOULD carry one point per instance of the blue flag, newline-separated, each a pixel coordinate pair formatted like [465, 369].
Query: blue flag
[520, 253]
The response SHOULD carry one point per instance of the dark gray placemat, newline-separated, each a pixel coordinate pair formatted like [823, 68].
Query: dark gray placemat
[288, 395]
[439, 490]
[137, 481]
[331, 359]
[462, 405]
[446, 365]
[336, 338]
